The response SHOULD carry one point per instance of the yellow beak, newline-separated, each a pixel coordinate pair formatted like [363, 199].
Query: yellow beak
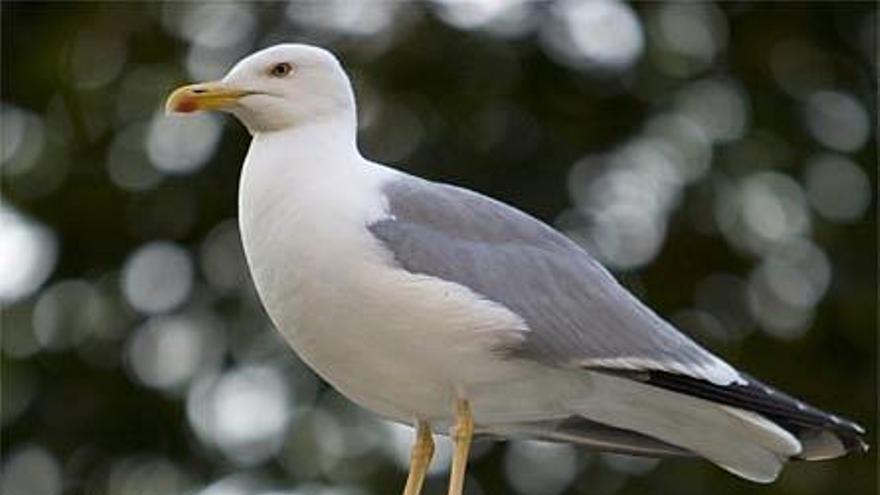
[203, 96]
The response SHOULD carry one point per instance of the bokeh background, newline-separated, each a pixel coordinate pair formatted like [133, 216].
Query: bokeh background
[720, 158]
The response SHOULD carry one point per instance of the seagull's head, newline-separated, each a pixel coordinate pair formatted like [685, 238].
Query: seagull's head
[276, 88]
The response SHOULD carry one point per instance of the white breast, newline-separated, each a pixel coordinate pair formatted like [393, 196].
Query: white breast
[398, 343]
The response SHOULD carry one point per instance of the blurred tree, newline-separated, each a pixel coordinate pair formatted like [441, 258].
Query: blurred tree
[720, 157]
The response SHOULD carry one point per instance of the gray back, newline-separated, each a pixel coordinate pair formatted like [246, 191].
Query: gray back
[577, 312]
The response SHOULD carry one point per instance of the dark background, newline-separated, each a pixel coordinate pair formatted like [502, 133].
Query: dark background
[720, 158]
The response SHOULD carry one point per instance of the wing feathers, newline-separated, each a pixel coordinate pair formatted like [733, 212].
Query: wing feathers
[576, 311]
[823, 435]
[655, 391]
[744, 445]
[580, 430]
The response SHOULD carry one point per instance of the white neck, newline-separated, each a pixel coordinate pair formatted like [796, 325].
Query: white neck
[327, 136]
[285, 168]
[306, 194]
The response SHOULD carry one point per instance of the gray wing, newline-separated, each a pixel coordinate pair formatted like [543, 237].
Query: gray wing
[577, 313]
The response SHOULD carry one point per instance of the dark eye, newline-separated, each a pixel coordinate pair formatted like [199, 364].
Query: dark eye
[280, 70]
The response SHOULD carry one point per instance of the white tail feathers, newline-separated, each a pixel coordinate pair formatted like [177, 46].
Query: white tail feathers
[767, 433]
[739, 441]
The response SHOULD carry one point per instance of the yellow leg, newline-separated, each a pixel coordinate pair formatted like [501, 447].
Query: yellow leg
[422, 452]
[461, 434]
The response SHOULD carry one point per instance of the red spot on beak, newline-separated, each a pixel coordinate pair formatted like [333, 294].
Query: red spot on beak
[186, 105]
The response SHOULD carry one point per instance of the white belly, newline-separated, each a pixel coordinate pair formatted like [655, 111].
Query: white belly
[400, 344]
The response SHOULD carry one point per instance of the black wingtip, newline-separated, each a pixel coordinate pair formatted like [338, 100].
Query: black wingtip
[823, 435]
[820, 444]
[856, 445]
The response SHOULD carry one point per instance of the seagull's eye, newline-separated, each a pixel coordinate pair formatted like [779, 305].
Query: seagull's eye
[280, 70]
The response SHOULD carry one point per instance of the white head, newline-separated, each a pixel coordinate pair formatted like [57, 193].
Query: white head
[276, 88]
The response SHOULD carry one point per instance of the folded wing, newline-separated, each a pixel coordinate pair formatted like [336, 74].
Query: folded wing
[656, 391]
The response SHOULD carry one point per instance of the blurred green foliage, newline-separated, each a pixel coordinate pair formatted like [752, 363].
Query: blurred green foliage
[451, 98]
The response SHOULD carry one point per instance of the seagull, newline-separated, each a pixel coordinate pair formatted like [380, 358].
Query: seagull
[441, 308]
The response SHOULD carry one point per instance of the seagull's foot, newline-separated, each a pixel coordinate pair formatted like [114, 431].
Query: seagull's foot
[462, 433]
[422, 452]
